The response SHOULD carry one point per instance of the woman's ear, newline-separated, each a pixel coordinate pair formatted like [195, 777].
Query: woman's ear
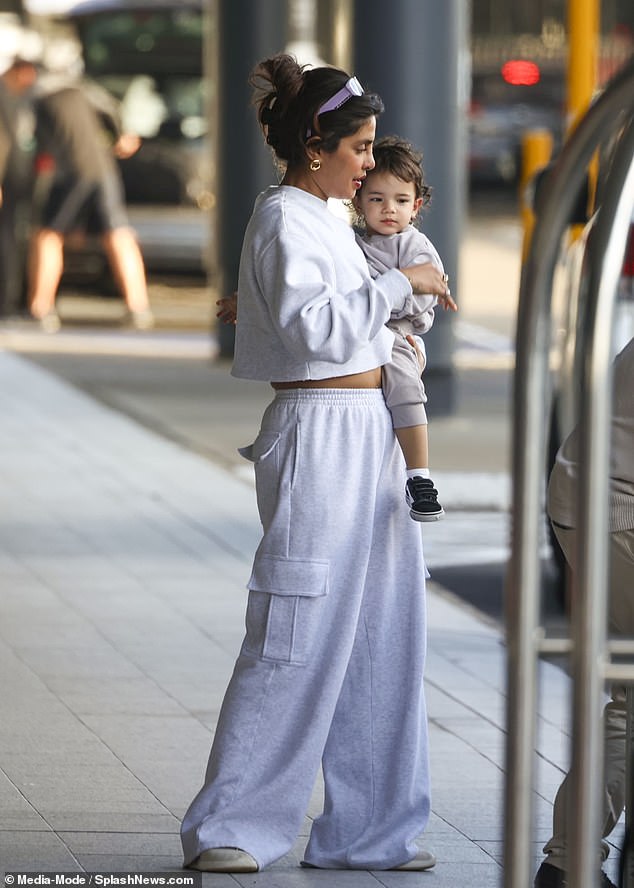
[313, 148]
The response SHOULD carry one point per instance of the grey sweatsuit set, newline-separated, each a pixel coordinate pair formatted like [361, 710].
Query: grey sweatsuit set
[330, 671]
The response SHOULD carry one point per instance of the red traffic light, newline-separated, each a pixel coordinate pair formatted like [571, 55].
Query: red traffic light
[520, 72]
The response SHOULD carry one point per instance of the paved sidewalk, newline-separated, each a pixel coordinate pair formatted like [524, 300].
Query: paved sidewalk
[123, 559]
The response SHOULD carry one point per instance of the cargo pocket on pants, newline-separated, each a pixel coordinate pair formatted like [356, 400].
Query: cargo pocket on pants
[262, 447]
[286, 598]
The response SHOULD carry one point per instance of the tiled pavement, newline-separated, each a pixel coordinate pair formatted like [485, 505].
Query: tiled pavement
[123, 559]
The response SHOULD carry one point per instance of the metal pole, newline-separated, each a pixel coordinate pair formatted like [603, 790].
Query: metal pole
[627, 861]
[605, 251]
[531, 400]
[416, 57]
[248, 31]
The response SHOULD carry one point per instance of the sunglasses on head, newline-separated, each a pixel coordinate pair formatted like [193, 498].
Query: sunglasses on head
[350, 89]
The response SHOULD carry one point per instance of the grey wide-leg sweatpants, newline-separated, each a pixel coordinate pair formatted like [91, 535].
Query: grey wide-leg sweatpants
[331, 667]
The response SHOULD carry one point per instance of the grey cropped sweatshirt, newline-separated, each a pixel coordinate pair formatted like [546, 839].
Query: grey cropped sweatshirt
[309, 308]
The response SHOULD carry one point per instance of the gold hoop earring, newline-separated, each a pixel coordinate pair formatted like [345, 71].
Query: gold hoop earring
[315, 165]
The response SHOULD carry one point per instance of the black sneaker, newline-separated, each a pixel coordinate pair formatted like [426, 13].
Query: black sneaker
[422, 498]
[549, 876]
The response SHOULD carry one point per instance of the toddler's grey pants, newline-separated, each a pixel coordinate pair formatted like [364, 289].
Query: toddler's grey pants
[331, 667]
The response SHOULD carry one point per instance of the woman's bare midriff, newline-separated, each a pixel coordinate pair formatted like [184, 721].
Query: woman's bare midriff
[365, 380]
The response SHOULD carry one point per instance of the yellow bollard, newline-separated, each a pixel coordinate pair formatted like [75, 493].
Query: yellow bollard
[537, 147]
[583, 53]
[584, 30]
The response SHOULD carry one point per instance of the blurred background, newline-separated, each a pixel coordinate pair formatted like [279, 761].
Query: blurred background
[488, 89]
[160, 59]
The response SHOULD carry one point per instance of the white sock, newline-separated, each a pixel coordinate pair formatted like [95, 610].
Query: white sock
[422, 473]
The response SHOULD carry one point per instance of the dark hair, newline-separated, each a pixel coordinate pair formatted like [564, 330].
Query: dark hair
[399, 157]
[288, 95]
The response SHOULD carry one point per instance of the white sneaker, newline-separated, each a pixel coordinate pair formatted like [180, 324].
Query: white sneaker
[225, 860]
[424, 860]
[50, 323]
[142, 320]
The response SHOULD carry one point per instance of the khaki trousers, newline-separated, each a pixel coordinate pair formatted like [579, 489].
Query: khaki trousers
[621, 621]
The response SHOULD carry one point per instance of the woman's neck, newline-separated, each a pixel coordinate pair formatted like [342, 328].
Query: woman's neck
[304, 180]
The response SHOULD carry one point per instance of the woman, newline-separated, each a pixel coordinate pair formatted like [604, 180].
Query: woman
[331, 667]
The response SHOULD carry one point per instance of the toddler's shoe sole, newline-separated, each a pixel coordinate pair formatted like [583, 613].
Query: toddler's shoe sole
[426, 516]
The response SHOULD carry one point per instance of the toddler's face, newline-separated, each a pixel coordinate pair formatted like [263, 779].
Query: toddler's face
[387, 203]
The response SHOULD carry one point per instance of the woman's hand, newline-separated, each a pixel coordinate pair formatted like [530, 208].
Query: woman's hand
[447, 302]
[228, 309]
[428, 279]
[421, 357]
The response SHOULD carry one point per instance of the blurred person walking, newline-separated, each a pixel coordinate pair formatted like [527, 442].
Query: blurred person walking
[563, 512]
[82, 134]
[16, 83]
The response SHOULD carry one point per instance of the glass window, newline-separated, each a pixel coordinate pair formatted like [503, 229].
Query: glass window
[143, 41]
[151, 61]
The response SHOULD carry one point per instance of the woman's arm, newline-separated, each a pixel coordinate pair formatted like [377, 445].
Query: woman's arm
[418, 250]
[316, 315]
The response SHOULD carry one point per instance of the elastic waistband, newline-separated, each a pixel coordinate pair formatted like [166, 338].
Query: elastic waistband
[368, 396]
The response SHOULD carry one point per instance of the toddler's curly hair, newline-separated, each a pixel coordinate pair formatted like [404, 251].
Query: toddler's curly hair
[399, 157]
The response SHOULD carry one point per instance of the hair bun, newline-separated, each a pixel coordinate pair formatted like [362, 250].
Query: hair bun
[278, 79]
[287, 96]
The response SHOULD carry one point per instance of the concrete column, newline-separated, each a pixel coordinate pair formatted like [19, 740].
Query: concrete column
[416, 57]
[246, 32]
[334, 31]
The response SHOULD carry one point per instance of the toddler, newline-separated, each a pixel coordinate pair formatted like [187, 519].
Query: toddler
[387, 206]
